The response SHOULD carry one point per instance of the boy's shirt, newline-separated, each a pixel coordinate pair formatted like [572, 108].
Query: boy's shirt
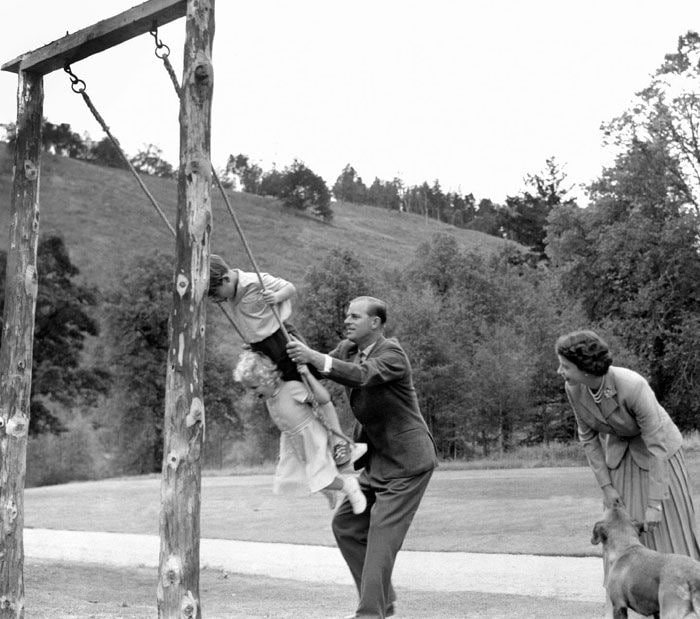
[251, 314]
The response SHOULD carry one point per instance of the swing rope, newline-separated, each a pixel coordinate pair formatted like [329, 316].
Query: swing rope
[162, 51]
[78, 86]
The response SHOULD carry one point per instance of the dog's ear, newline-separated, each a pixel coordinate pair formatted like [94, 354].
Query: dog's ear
[638, 526]
[600, 532]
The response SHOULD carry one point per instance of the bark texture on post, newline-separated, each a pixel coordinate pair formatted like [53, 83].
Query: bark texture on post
[178, 584]
[18, 340]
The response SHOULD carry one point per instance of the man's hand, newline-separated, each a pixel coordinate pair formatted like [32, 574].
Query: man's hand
[300, 352]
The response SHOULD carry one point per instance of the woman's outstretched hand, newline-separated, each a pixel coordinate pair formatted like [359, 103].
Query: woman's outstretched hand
[611, 497]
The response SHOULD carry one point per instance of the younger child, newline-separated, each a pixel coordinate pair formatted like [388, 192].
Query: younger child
[252, 306]
[305, 455]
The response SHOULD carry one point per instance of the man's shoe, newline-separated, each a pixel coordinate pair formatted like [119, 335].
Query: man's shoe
[390, 612]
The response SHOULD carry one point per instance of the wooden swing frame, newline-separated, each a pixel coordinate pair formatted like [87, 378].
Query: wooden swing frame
[178, 583]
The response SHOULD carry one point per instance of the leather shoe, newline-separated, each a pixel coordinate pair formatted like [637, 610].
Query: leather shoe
[390, 611]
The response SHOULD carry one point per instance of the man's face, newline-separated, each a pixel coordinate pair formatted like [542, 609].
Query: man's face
[358, 324]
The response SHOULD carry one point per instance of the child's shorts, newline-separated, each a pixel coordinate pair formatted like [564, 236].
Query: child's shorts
[275, 347]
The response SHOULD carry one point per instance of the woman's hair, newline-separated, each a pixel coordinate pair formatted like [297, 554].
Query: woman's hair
[254, 369]
[586, 350]
[218, 269]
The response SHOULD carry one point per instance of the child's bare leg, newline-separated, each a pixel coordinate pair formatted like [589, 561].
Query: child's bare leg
[330, 419]
[350, 487]
[339, 446]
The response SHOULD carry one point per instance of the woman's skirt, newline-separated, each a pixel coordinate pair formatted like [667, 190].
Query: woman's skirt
[676, 532]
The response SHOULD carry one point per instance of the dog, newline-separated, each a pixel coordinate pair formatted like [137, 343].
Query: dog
[666, 586]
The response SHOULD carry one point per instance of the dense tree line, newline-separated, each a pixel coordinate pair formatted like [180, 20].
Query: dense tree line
[61, 140]
[297, 186]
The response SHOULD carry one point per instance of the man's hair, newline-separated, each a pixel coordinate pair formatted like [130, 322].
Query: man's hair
[218, 269]
[254, 368]
[586, 350]
[375, 307]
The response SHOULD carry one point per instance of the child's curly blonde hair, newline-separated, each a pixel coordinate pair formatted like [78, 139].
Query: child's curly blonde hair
[254, 368]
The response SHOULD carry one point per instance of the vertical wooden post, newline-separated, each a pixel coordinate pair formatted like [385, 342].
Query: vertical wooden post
[178, 584]
[18, 341]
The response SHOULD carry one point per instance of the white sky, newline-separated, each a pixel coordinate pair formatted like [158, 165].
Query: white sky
[475, 93]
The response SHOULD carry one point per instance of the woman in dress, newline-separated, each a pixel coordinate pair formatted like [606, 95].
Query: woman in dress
[632, 444]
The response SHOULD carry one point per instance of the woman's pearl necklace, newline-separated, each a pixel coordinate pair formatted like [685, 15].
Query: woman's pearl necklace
[598, 394]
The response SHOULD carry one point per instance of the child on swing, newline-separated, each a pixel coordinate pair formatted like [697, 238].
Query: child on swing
[252, 306]
[305, 453]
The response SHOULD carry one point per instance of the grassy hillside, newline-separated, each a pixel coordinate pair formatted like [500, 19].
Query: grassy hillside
[106, 220]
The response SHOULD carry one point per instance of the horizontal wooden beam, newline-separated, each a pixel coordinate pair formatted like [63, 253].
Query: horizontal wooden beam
[98, 37]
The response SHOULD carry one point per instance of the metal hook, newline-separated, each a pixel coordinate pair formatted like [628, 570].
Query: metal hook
[159, 44]
[77, 85]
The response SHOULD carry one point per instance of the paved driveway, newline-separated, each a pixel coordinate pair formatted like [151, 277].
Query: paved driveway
[566, 578]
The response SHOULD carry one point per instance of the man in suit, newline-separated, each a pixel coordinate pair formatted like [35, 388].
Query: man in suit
[400, 454]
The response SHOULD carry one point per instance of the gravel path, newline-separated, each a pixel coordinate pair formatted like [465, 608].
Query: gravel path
[566, 578]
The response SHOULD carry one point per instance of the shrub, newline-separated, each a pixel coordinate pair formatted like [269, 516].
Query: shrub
[74, 455]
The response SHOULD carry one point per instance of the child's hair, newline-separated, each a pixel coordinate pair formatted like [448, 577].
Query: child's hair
[218, 269]
[254, 368]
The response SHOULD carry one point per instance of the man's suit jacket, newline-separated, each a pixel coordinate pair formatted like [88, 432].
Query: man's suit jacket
[628, 418]
[384, 402]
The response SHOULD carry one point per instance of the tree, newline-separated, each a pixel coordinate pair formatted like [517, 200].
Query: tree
[463, 208]
[137, 325]
[487, 218]
[249, 175]
[302, 189]
[498, 386]
[272, 183]
[150, 161]
[666, 113]
[137, 318]
[62, 140]
[327, 292]
[62, 322]
[525, 217]
[631, 259]
[105, 153]
[349, 186]
[437, 263]
[428, 339]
